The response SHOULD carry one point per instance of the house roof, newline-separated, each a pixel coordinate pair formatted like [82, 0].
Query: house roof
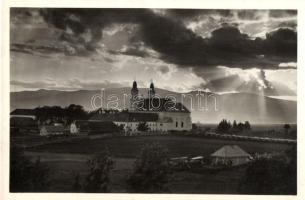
[161, 105]
[23, 112]
[22, 122]
[230, 151]
[54, 128]
[81, 123]
[166, 120]
[102, 126]
[96, 126]
[126, 117]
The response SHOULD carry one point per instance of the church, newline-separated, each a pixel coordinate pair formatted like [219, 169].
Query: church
[159, 114]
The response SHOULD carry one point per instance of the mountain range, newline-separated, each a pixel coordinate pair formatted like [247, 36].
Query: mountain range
[206, 107]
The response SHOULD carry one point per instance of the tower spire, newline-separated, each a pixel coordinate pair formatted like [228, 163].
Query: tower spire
[134, 95]
[151, 90]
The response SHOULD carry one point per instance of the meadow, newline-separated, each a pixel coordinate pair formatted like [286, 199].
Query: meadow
[129, 147]
[68, 158]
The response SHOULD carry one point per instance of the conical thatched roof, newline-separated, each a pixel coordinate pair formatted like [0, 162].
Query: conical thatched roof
[230, 151]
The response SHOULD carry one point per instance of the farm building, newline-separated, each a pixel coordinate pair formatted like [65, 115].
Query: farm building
[52, 130]
[129, 121]
[92, 127]
[79, 127]
[231, 155]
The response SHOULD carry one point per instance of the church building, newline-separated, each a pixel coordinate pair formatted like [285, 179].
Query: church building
[159, 114]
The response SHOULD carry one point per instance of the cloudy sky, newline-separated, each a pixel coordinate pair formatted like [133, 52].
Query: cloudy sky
[180, 50]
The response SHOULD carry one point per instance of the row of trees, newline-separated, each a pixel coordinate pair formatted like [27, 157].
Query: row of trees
[225, 126]
[151, 172]
[50, 114]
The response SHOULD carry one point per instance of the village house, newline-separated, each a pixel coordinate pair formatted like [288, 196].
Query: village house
[52, 130]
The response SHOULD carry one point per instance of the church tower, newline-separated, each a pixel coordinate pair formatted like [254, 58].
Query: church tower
[151, 91]
[134, 96]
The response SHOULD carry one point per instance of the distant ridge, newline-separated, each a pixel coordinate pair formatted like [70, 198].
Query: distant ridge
[238, 106]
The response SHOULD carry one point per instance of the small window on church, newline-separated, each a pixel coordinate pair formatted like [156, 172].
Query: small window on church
[161, 124]
[176, 124]
[181, 124]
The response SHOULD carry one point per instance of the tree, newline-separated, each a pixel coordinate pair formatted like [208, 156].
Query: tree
[247, 125]
[99, 168]
[50, 114]
[142, 126]
[74, 112]
[25, 175]
[234, 125]
[240, 127]
[224, 126]
[286, 127]
[121, 127]
[194, 127]
[151, 170]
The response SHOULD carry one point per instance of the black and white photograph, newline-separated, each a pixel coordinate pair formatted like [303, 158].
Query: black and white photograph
[153, 100]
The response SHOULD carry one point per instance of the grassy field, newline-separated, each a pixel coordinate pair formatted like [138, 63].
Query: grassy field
[64, 168]
[68, 158]
[129, 147]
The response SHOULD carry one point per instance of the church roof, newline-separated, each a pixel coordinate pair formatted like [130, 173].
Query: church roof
[161, 105]
[126, 117]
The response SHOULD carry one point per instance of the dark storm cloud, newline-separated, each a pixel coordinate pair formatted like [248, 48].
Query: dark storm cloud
[193, 13]
[176, 44]
[288, 24]
[241, 14]
[282, 13]
[109, 60]
[135, 48]
[164, 69]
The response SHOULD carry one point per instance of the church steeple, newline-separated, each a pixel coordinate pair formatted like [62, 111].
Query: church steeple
[134, 86]
[151, 91]
[134, 95]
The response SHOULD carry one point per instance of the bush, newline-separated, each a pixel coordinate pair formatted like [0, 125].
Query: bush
[143, 127]
[99, 168]
[25, 175]
[151, 170]
[271, 176]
